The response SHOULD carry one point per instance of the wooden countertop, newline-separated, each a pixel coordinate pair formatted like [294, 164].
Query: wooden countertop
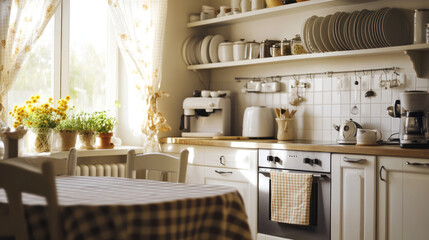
[380, 150]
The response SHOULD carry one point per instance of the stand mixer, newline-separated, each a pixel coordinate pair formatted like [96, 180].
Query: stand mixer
[412, 109]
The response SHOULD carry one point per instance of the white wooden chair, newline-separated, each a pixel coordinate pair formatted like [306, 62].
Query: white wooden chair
[62, 166]
[17, 178]
[159, 162]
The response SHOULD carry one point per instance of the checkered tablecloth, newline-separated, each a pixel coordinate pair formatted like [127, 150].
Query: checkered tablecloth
[120, 208]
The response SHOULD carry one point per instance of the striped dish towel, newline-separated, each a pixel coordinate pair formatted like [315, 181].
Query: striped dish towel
[290, 197]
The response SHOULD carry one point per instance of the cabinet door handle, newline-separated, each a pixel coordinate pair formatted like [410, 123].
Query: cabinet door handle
[222, 172]
[417, 164]
[222, 160]
[381, 173]
[354, 160]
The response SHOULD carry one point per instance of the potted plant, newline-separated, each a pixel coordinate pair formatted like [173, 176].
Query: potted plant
[85, 123]
[104, 127]
[67, 130]
[41, 118]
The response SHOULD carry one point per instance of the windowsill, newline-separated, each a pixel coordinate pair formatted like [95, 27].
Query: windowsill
[121, 150]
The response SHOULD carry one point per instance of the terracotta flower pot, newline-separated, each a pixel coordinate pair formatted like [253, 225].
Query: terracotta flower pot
[68, 139]
[87, 138]
[105, 141]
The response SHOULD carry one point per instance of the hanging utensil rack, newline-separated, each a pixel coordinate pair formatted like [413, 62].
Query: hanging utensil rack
[329, 74]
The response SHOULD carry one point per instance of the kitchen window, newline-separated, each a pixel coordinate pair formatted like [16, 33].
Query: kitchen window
[76, 55]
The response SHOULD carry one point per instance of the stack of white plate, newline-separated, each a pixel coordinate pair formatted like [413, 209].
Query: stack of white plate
[199, 50]
[357, 30]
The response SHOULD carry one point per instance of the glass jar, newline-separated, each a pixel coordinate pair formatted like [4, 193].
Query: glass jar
[265, 48]
[275, 50]
[285, 47]
[297, 45]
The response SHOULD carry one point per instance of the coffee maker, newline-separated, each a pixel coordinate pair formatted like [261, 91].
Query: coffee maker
[413, 113]
[206, 117]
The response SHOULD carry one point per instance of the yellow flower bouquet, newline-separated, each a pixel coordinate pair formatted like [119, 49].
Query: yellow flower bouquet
[41, 118]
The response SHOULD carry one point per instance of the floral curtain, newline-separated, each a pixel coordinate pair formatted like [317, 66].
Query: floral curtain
[21, 24]
[140, 27]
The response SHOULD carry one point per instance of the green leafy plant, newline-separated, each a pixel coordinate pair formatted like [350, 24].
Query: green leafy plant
[85, 122]
[103, 122]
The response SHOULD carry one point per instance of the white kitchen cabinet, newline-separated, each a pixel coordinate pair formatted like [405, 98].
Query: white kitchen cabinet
[231, 167]
[403, 197]
[353, 210]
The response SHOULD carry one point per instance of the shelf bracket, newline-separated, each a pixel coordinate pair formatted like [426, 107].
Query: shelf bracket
[419, 58]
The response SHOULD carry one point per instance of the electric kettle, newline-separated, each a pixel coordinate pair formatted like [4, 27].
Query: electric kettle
[347, 132]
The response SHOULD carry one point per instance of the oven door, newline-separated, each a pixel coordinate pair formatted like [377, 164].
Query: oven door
[320, 209]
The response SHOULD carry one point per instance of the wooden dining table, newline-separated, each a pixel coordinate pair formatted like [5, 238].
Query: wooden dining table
[121, 208]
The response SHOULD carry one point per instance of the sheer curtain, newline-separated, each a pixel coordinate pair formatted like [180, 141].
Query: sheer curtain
[140, 27]
[21, 24]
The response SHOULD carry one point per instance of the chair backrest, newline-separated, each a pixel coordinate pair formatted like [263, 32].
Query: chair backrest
[62, 166]
[159, 162]
[17, 178]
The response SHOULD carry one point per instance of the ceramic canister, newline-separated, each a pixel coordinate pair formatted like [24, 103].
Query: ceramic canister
[225, 50]
[239, 50]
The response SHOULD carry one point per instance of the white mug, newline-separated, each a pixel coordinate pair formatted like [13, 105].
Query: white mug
[367, 136]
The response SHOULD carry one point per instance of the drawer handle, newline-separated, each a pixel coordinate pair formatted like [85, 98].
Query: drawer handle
[222, 172]
[354, 160]
[222, 160]
[417, 164]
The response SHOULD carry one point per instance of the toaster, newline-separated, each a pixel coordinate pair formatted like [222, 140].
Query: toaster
[258, 122]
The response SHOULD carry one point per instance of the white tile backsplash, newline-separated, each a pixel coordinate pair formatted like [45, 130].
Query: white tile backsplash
[329, 101]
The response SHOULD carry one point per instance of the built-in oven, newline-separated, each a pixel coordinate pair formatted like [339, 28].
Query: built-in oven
[316, 163]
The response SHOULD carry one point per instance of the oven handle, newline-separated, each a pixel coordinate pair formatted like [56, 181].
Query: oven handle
[267, 174]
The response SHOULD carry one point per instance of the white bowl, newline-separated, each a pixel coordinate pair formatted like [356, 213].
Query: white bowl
[214, 94]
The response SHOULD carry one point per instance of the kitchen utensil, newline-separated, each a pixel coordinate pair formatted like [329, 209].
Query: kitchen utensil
[368, 137]
[230, 138]
[275, 50]
[370, 93]
[421, 18]
[252, 49]
[355, 109]
[273, 3]
[347, 132]
[258, 122]
[390, 110]
[205, 93]
[205, 49]
[213, 47]
[270, 87]
[235, 4]
[253, 86]
[265, 48]
[285, 129]
[257, 4]
[197, 93]
[245, 5]
[285, 47]
[214, 94]
[225, 52]
[239, 50]
[414, 114]
[193, 17]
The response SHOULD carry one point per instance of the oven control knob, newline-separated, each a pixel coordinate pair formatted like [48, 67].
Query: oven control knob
[270, 158]
[277, 159]
[308, 161]
[317, 162]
